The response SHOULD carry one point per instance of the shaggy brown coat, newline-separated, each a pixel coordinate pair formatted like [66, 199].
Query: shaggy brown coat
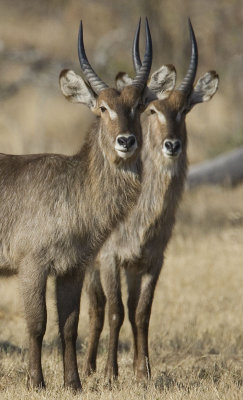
[138, 244]
[56, 212]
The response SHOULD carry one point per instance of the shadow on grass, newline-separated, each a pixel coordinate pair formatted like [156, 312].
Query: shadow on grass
[9, 348]
[56, 344]
[124, 346]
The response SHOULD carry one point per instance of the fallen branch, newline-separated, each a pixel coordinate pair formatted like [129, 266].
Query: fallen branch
[226, 169]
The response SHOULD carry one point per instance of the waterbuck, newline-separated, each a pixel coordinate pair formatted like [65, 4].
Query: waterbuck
[138, 244]
[56, 211]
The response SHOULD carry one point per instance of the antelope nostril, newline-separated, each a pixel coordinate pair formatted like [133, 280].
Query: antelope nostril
[168, 145]
[131, 141]
[122, 140]
[176, 146]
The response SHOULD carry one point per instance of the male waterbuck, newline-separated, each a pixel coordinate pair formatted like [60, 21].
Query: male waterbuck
[138, 244]
[56, 211]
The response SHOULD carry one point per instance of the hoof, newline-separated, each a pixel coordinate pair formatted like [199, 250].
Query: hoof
[111, 374]
[89, 369]
[74, 385]
[34, 383]
[143, 375]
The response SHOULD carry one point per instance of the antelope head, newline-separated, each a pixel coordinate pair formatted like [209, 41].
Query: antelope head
[166, 107]
[119, 116]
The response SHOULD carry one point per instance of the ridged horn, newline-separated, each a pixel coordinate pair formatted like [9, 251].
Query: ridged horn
[187, 83]
[135, 49]
[95, 82]
[142, 72]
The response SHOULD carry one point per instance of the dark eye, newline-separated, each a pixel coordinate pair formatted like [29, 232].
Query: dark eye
[152, 111]
[102, 109]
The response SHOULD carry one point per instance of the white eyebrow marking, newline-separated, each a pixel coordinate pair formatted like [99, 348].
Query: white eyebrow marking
[133, 109]
[132, 112]
[161, 116]
[112, 113]
[178, 117]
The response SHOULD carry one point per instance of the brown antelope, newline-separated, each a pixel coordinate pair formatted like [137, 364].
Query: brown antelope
[56, 211]
[138, 244]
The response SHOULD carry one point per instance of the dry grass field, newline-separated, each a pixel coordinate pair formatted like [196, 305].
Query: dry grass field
[196, 330]
[196, 337]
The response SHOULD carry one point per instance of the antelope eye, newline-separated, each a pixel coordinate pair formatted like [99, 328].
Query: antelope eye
[152, 111]
[102, 109]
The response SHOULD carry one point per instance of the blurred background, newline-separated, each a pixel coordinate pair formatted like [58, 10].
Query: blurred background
[38, 39]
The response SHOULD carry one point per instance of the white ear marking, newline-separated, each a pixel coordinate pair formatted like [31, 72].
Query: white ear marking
[205, 88]
[75, 89]
[163, 81]
[122, 80]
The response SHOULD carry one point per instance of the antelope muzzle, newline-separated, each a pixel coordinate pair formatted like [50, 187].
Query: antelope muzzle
[126, 144]
[172, 148]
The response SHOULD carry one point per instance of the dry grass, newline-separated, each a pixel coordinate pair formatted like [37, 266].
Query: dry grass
[196, 338]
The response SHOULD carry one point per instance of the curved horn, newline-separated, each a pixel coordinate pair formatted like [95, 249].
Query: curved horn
[142, 74]
[135, 49]
[187, 83]
[96, 83]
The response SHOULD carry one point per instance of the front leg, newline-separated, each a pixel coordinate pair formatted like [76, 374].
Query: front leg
[68, 292]
[110, 276]
[33, 288]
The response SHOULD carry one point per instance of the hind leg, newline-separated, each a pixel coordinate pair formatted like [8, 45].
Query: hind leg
[110, 276]
[97, 302]
[68, 292]
[140, 299]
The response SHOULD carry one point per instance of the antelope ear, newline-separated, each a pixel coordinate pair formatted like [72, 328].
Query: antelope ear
[76, 90]
[205, 88]
[122, 79]
[163, 81]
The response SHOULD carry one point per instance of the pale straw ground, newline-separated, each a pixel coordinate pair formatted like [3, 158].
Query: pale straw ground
[196, 338]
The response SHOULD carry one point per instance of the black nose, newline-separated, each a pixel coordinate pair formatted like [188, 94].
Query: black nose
[126, 142]
[173, 146]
